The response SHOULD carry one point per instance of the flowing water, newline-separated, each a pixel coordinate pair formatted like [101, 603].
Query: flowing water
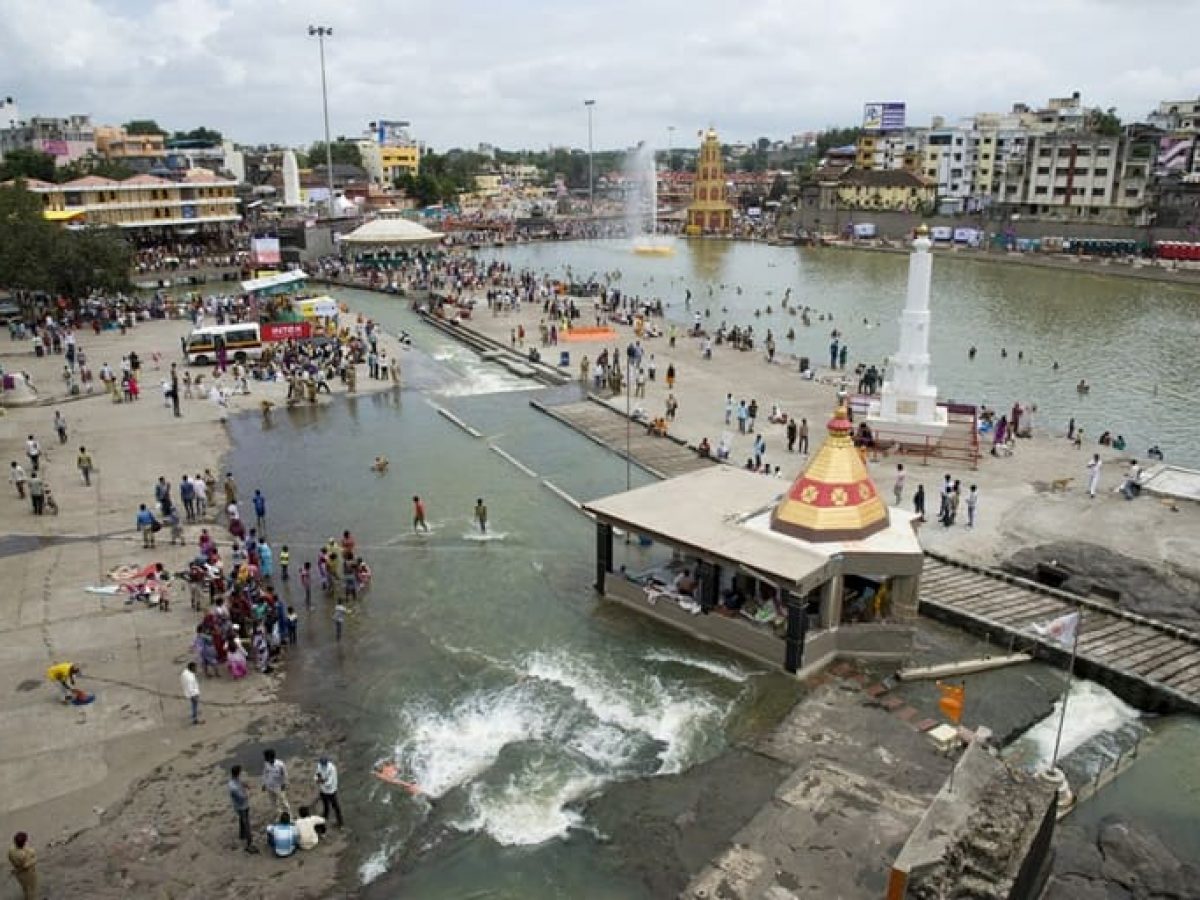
[484, 668]
[1133, 341]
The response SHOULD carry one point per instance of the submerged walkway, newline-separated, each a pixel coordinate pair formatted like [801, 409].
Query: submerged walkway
[663, 457]
[1149, 663]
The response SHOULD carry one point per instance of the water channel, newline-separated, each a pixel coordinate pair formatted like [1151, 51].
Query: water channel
[486, 669]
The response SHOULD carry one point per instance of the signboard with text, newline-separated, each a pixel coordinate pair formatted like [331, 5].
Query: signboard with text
[883, 116]
[286, 331]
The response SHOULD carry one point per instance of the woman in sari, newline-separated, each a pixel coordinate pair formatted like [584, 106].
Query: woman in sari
[236, 662]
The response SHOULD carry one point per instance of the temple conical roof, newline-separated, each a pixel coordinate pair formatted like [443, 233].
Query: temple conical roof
[834, 499]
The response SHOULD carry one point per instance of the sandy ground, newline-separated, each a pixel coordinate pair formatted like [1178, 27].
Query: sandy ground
[130, 763]
[1016, 506]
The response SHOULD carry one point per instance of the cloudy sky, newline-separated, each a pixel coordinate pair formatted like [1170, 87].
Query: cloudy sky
[516, 72]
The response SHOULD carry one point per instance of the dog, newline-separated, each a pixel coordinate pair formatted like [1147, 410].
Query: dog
[1060, 485]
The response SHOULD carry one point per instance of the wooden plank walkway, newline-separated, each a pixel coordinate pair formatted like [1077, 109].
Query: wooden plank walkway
[661, 457]
[1151, 664]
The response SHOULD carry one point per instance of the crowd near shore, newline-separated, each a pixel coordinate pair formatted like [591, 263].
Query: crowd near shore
[194, 567]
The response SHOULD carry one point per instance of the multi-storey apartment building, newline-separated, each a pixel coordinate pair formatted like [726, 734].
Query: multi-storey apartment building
[144, 201]
[66, 139]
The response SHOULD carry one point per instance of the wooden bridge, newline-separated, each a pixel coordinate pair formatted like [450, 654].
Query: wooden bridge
[663, 457]
[1151, 664]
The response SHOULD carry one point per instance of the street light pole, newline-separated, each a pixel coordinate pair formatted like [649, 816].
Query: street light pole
[320, 32]
[591, 178]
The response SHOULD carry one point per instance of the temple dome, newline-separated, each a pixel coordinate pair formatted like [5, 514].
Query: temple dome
[834, 499]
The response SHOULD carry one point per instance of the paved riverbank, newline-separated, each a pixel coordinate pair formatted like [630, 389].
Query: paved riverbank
[130, 763]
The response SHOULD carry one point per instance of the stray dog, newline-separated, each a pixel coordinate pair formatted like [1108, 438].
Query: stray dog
[1060, 485]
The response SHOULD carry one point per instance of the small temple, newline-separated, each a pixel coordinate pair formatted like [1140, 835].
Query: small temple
[792, 578]
[710, 211]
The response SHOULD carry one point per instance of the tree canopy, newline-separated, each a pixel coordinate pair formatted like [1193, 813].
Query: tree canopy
[345, 153]
[144, 126]
[443, 176]
[207, 135]
[24, 163]
[37, 255]
[1104, 121]
[836, 137]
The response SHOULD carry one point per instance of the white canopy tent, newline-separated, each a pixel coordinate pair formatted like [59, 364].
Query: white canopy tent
[390, 231]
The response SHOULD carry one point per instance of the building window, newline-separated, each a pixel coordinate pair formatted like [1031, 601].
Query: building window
[1103, 151]
[1098, 192]
[1040, 190]
[1101, 173]
[1060, 192]
[1043, 170]
[1044, 152]
[1132, 192]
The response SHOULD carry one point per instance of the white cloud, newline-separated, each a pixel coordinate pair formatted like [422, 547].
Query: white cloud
[516, 73]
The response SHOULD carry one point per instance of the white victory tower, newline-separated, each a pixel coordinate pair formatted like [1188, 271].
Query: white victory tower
[909, 402]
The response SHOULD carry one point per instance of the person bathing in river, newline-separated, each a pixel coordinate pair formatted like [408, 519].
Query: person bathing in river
[419, 515]
[481, 515]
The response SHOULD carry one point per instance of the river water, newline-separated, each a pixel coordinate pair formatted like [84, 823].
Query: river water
[485, 668]
[1133, 341]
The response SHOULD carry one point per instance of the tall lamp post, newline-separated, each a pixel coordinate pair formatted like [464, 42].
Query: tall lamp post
[591, 180]
[320, 32]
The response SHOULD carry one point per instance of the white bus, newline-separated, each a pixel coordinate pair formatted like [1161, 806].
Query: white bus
[242, 341]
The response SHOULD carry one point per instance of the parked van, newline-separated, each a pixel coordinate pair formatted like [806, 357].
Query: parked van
[242, 341]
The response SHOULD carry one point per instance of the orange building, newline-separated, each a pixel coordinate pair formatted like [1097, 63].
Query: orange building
[710, 211]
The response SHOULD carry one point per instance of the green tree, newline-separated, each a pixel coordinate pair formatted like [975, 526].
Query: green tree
[778, 188]
[836, 137]
[25, 239]
[24, 163]
[144, 126]
[207, 135]
[1104, 121]
[36, 255]
[345, 153]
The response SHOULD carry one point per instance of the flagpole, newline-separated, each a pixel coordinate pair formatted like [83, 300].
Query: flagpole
[1062, 718]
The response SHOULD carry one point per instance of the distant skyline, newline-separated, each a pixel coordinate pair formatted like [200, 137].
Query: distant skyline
[516, 74]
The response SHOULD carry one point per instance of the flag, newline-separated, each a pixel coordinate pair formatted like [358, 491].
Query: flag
[951, 701]
[1064, 630]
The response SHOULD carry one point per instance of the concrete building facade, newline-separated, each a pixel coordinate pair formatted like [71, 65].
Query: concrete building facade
[66, 139]
[143, 201]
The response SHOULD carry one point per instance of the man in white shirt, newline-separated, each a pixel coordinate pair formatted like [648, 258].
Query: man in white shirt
[310, 828]
[327, 784]
[34, 451]
[191, 690]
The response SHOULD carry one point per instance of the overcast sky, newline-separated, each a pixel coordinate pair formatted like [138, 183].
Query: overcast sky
[515, 73]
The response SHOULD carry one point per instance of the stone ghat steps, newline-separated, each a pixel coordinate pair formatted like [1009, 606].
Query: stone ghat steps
[663, 457]
[1152, 664]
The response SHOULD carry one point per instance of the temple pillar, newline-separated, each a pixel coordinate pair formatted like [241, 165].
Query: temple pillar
[604, 553]
[797, 631]
[831, 602]
[709, 576]
[905, 594]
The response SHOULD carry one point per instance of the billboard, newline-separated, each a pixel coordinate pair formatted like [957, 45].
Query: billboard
[1174, 155]
[55, 147]
[883, 116]
[286, 331]
[392, 133]
[264, 251]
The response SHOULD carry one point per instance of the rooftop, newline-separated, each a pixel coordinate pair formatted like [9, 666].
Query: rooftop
[725, 512]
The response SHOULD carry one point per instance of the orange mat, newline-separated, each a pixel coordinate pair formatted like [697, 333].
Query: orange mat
[587, 334]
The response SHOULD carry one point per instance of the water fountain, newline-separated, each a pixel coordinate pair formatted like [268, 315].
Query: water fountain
[641, 203]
